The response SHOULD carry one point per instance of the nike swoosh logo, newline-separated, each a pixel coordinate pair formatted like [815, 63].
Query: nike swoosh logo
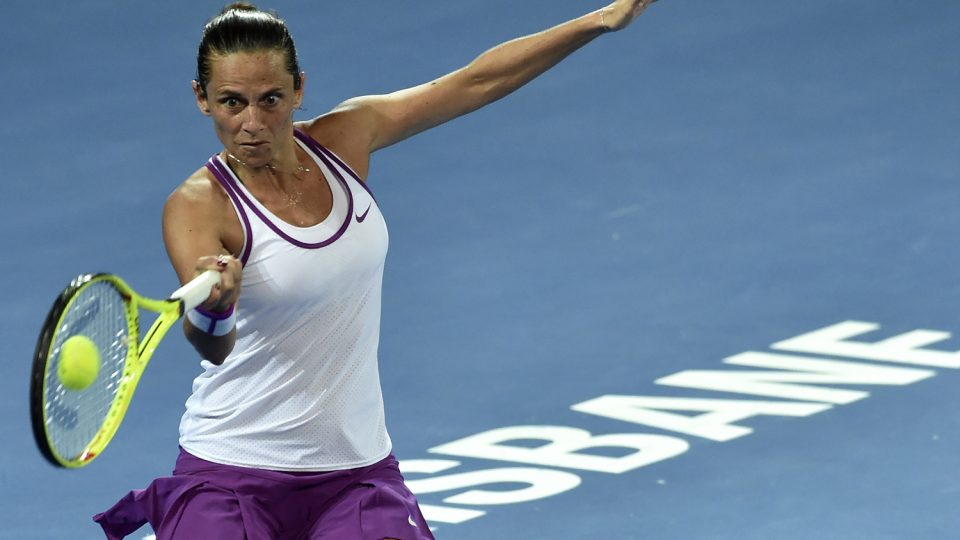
[363, 216]
[410, 521]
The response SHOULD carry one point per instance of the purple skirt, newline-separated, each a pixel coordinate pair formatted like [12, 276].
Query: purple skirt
[212, 501]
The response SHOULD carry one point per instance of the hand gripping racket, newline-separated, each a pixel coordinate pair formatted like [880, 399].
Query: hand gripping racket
[73, 426]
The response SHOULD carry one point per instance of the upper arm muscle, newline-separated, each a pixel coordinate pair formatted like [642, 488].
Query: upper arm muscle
[377, 121]
[193, 219]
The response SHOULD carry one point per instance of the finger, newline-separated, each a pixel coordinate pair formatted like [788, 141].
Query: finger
[206, 263]
[231, 271]
[226, 291]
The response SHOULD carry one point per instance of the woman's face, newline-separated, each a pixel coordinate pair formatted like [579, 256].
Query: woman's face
[251, 98]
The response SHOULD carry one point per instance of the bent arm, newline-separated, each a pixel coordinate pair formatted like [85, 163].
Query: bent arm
[192, 225]
[390, 118]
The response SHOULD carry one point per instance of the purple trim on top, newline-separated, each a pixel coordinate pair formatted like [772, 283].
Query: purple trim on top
[276, 229]
[323, 152]
[213, 165]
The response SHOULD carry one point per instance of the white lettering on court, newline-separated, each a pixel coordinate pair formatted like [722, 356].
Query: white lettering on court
[563, 446]
[904, 348]
[790, 372]
[715, 422]
[800, 385]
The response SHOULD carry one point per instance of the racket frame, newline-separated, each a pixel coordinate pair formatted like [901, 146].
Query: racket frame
[139, 352]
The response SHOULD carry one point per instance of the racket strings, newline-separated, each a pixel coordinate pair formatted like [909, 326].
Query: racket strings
[73, 417]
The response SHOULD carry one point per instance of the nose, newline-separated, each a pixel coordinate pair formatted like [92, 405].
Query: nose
[252, 120]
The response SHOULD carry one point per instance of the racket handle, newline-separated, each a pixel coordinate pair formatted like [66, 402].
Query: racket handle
[197, 290]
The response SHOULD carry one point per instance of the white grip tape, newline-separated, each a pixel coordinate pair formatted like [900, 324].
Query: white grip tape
[197, 290]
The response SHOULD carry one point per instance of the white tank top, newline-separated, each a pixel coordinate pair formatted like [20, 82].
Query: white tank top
[301, 389]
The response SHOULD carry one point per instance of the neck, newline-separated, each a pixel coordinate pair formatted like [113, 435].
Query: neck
[274, 165]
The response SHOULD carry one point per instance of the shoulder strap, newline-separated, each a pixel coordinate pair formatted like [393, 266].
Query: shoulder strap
[215, 166]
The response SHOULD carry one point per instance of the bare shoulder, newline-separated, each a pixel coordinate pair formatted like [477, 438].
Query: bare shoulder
[348, 131]
[198, 202]
[199, 212]
[199, 191]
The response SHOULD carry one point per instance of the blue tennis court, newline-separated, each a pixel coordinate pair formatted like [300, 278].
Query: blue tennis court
[697, 282]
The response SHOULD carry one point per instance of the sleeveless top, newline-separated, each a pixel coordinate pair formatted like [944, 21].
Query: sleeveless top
[301, 389]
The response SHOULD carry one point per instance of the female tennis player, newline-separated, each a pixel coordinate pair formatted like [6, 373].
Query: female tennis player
[284, 436]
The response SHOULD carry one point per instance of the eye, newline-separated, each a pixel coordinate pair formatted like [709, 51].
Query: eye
[230, 102]
[272, 100]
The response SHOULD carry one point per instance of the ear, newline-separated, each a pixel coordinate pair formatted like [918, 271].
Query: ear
[201, 97]
[298, 98]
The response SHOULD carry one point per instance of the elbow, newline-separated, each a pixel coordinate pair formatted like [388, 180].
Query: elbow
[214, 361]
[484, 86]
[214, 349]
[214, 357]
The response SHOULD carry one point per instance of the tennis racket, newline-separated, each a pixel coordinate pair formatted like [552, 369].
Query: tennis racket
[73, 426]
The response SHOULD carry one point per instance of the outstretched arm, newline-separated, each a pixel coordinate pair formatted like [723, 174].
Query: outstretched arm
[386, 119]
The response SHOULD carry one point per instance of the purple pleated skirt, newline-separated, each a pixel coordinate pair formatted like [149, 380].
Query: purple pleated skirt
[209, 501]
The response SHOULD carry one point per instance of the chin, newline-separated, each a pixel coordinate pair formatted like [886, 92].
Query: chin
[254, 156]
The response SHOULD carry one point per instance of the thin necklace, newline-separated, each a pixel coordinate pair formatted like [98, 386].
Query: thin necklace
[291, 199]
[271, 166]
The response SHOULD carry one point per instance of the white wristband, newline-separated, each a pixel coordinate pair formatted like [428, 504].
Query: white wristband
[215, 324]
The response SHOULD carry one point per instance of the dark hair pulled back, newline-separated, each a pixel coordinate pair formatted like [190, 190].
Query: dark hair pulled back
[241, 27]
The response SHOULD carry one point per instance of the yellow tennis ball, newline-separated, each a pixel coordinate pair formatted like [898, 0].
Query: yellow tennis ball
[79, 362]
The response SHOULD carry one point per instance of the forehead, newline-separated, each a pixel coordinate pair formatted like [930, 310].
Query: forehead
[255, 69]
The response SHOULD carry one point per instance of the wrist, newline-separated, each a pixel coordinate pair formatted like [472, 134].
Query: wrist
[215, 323]
[603, 21]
